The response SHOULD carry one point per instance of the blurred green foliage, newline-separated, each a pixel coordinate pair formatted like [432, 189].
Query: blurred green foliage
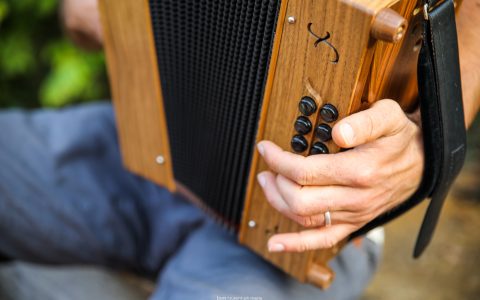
[39, 66]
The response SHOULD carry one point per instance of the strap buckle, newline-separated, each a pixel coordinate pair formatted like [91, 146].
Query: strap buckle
[425, 11]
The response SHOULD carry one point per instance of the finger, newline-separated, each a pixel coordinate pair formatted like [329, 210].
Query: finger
[311, 170]
[384, 118]
[321, 238]
[267, 181]
[310, 200]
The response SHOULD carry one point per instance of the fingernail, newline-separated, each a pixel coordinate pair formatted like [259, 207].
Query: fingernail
[261, 149]
[262, 180]
[347, 133]
[276, 247]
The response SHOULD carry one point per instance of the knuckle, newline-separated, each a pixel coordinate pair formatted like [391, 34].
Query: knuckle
[299, 207]
[365, 218]
[370, 125]
[329, 204]
[396, 113]
[272, 161]
[389, 105]
[304, 244]
[392, 111]
[309, 221]
[306, 221]
[303, 175]
[329, 241]
[366, 176]
[360, 205]
[395, 107]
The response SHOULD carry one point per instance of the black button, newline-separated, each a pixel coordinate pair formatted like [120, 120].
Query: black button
[319, 148]
[307, 106]
[299, 143]
[323, 132]
[303, 125]
[329, 113]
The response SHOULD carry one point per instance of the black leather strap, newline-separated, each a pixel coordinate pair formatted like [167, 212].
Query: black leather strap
[443, 124]
[440, 45]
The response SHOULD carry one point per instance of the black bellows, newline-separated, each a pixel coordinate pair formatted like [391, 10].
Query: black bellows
[213, 58]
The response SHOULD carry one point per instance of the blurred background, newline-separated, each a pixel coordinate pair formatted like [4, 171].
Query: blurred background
[40, 67]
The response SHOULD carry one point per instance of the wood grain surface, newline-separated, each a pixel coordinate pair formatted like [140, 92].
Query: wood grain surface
[135, 85]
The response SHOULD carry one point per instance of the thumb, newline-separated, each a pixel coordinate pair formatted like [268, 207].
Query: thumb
[384, 118]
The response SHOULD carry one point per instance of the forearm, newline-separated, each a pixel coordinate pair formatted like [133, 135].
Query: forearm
[81, 21]
[468, 24]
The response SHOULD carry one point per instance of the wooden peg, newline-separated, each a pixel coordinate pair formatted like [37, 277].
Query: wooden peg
[388, 26]
[320, 276]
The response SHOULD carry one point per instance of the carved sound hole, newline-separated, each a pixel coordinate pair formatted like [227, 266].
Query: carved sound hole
[324, 40]
[271, 231]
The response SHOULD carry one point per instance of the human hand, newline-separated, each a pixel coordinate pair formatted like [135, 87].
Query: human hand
[383, 168]
[82, 22]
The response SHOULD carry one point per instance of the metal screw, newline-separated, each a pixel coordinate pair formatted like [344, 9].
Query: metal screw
[160, 160]
[291, 19]
[252, 224]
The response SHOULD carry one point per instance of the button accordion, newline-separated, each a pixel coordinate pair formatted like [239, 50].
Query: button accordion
[196, 84]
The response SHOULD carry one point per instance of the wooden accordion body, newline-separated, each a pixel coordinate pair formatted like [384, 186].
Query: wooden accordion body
[197, 83]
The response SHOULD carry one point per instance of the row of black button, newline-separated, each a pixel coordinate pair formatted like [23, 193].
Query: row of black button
[328, 112]
[323, 132]
[300, 144]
